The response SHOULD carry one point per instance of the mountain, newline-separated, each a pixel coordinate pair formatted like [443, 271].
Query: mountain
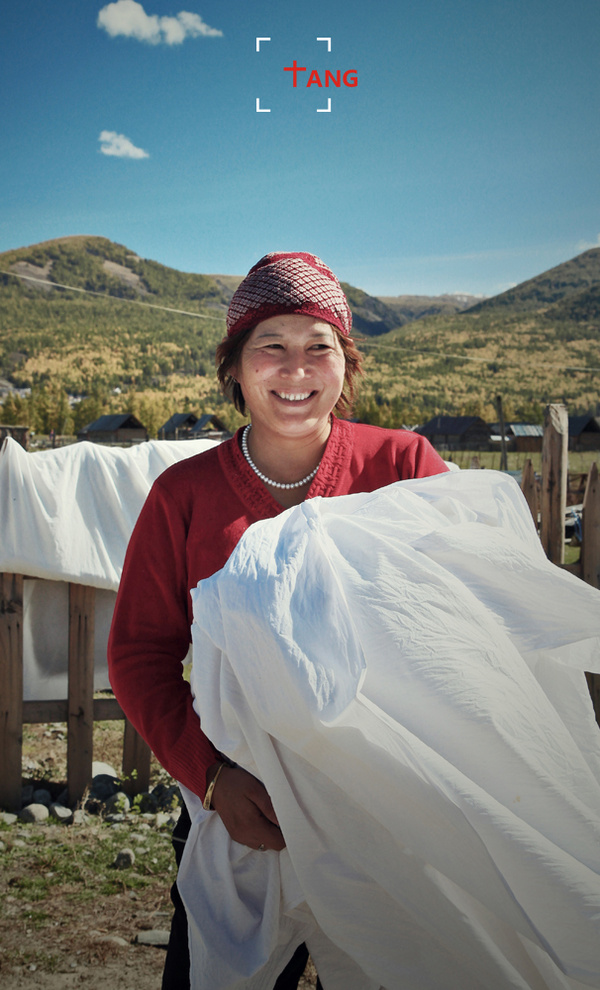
[537, 343]
[409, 308]
[132, 335]
[575, 277]
[88, 317]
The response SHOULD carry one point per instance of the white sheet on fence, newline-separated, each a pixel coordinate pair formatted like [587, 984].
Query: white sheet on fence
[67, 515]
[403, 670]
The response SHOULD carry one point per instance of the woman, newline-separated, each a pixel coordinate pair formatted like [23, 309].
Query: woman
[289, 361]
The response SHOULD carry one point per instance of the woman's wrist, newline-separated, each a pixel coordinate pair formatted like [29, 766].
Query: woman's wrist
[212, 775]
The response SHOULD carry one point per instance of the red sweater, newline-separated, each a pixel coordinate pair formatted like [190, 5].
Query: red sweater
[194, 515]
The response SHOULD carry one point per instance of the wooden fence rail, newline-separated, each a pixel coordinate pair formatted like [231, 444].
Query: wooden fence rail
[79, 710]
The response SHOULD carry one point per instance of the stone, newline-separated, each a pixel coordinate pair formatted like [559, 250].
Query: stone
[104, 786]
[42, 796]
[118, 804]
[34, 813]
[62, 814]
[157, 937]
[80, 817]
[112, 940]
[124, 859]
[99, 768]
[146, 802]
[27, 794]
[7, 818]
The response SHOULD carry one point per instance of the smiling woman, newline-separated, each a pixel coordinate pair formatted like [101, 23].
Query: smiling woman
[288, 360]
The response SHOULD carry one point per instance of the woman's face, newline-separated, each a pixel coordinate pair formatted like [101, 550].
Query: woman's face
[291, 373]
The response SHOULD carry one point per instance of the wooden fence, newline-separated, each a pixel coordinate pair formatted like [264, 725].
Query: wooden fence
[80, 710]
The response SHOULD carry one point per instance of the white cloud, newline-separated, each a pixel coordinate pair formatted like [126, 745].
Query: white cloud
[120, 146]
[128, 18]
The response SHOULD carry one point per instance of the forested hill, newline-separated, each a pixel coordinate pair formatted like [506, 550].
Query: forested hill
[133, 335]
[534, 344]
[569, 283]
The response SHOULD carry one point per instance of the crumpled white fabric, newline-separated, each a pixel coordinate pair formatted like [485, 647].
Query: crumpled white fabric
[67, 515]
[403, 670]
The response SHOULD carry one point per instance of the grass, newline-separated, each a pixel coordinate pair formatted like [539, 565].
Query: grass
[579, 461]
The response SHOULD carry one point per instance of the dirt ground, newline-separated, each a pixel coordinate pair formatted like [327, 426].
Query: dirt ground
[68, 917]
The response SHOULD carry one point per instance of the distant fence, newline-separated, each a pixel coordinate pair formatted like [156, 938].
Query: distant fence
[80, 710]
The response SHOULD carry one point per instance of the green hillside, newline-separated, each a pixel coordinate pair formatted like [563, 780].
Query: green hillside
[578, 275]
[133, 335]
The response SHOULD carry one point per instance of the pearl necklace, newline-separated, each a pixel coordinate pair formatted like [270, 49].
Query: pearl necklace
[263, 477]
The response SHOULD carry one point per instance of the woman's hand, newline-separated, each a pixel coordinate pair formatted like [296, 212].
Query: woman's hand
[245, 809]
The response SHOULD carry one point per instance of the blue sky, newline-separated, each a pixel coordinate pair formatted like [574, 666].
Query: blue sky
[466, 159]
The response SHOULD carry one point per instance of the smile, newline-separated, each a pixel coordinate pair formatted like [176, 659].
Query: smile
[293, 396]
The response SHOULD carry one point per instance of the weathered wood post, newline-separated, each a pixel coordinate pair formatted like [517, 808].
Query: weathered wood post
[11, 690]
[80, 711]
[529, 489]
[590, 527]
[555, 467]
[590, 557]
[503, 458]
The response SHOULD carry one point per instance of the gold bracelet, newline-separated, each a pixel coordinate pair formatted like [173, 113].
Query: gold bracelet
[209, 790]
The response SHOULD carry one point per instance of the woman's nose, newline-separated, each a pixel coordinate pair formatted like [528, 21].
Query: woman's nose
[295, 365]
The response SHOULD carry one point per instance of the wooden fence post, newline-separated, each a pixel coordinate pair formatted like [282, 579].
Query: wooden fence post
[590, 527]
[80, 711]
[529, 489]
[590, 557]
[136, 761]
[11, 690]
[555, 468]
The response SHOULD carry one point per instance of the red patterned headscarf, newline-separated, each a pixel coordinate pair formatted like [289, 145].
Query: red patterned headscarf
[288, 282]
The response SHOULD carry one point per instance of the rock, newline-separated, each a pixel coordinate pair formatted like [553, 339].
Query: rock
[42, 796]
[27, 794]
[101, 769]
[2, 846]
[112, 939]
[7, 818]
[168, 797]
[62, 814]
[80, 817]
[118, 804]
[34, 813]
[146, 802]
[104, 786]
[156, 937]
[162, 819]
[124, 859]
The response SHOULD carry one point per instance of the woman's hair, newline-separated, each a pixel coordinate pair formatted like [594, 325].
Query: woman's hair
[229, 353]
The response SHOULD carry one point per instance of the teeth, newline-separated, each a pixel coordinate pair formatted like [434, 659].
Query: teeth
[293, 396]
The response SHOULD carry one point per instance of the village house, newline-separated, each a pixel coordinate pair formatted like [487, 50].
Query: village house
[456, 433]
[118, 428]
[187, 426]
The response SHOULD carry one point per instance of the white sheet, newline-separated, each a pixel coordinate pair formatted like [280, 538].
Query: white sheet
[403, 670]
[67, 515]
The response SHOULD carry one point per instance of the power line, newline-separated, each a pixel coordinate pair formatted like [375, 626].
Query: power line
[106, 295]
